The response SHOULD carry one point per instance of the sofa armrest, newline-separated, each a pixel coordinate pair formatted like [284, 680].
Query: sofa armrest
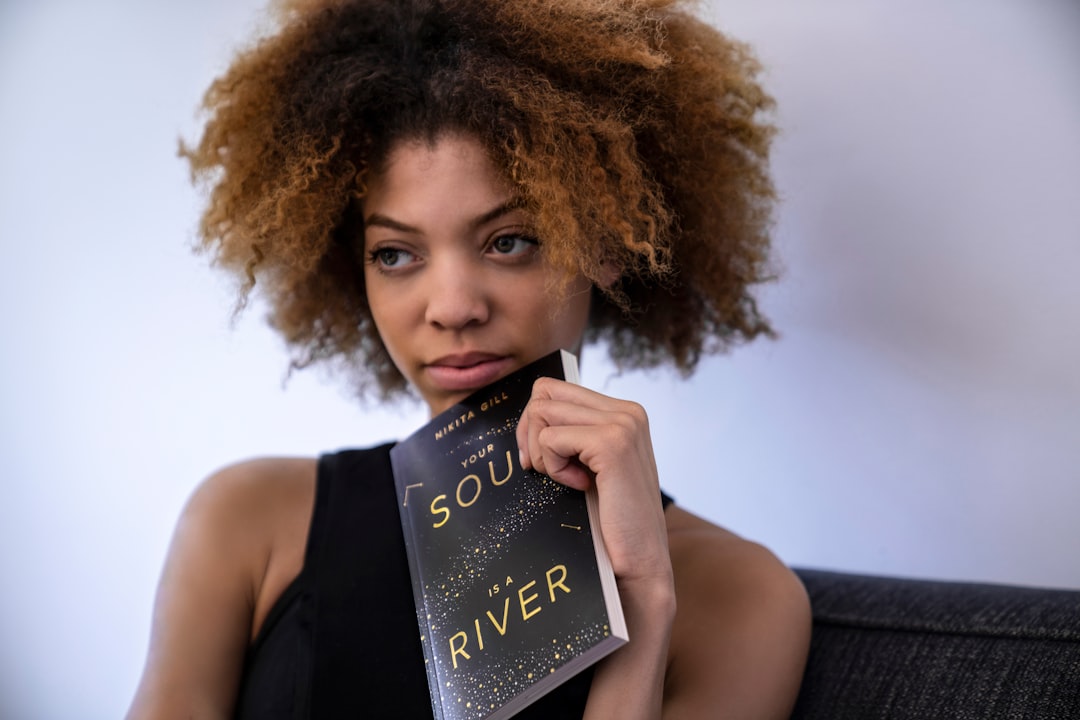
[897, 648]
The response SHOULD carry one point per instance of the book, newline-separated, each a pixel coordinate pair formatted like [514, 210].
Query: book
[514, 590]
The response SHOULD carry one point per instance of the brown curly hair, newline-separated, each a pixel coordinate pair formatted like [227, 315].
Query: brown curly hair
[632, 132]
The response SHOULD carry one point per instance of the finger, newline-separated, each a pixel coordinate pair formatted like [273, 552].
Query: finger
[521, 434]
[542, 388]
[553, 389]
[544, 413]
[526, 429]
[614, 433]
[558, 457]
[556, 402]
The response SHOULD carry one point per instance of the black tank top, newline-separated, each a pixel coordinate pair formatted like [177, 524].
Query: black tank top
[342, 639]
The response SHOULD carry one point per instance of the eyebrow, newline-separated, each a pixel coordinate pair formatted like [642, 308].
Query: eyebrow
[380, 220]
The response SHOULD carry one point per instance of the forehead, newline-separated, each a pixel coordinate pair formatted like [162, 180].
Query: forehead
[410, 155]
[449, 175]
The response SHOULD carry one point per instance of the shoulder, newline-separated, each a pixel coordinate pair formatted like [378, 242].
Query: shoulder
[258, 489]
[257, 513]
[238, 542]
[249, 504]
[742, 629]
[255, 478]
[243, 531]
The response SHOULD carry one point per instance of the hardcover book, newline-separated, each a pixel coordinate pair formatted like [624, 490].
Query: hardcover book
[514, 590]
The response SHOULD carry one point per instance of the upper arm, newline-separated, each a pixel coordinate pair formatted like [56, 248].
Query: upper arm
[741, 633]
[203, 610]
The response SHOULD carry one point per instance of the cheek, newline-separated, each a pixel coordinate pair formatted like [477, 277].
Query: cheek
[394, 336]
[573, 318]
[382, 308]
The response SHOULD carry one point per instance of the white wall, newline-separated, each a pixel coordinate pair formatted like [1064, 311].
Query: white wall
[920, 415]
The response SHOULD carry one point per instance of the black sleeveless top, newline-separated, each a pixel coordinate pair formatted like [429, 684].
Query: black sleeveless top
[342, 639]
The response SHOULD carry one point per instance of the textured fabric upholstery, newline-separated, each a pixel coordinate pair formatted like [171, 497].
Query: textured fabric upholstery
[898, 649]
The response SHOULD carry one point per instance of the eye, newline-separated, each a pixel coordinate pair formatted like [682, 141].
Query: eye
[390, 257]
[514, 245]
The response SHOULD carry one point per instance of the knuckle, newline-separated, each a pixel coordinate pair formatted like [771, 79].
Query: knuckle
[632, 417]
[637, 412]
[540, 405]
[620, 435]
[543, 386]
[543, 436]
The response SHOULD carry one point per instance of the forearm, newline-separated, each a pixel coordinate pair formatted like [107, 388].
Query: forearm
[629, 684]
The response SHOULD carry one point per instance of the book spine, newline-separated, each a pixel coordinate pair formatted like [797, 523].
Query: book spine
[616, 619]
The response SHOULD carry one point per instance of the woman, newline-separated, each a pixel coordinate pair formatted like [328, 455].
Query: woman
[433, 194]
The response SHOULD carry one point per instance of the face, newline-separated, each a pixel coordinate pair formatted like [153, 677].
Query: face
[456, 284]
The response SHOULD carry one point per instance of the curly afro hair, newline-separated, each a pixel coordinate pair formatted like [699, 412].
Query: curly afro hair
[633, 133]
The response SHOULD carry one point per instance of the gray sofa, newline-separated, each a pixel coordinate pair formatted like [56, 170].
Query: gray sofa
[899, 649]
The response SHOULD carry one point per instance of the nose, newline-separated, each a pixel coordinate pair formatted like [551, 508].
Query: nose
[457, 296]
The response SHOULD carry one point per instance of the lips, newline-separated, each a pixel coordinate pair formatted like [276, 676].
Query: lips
[467, 371]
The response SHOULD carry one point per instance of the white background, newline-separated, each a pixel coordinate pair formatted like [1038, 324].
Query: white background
[920, 415]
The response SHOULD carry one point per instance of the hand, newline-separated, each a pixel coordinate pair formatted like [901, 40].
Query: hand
[582, 438]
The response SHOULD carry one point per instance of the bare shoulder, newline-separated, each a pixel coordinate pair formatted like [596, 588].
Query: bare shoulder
[742, 628]
[265, 481]
[239, 541]
[264, 506]
[256, 489]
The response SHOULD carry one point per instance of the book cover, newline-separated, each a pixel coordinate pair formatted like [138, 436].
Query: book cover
[514, 591]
